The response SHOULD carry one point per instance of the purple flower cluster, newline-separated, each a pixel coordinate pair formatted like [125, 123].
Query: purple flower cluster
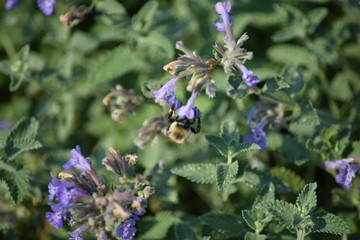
[46, 6]
[233, 55]
[257, 134]
[83, 198]
[346, 170]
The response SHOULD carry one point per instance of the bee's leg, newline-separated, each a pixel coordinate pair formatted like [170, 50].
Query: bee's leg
[198, 127]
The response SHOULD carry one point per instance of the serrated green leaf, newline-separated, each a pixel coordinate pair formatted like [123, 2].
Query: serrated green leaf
[110, 7]
[228, 224]
[250, 218]
[307, 199]
[18, 146]
[197, 172]
[290, 178]
[113, 64]
[293, 75]
[306, 114]
[235, 81]
[218, 142]
[17, 182]
[274, 84]
[229, 132]
[254, 236]
[243, 147]
[156, 227]
[286, 53]
[184, 232]
[260, 179]
[315, 16]
[266, 194]
[281, 97]
[328, 223]
[19, 69]
[24, 128]
[144, 18]
[225, 174]
[286, 213]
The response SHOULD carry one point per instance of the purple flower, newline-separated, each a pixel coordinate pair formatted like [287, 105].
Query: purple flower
[78, 161]
[189, 110]
[168, 87]
[76, 234]
[46, 6]
[127, 230]
[139, 208]
[173, 101]
[257, 136]
[346, 171]
[223, 9]
[58, 215]
[10, 4]
[247, 76]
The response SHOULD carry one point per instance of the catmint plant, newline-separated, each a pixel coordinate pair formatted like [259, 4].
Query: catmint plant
[82, 198]
[346, 170]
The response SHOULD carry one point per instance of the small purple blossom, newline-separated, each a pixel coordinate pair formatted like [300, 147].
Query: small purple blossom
[247, 75]
[346, 171]
[127, 229]
[46, 6]
[10, 4]
[58, 215]
[223, 9]
[189, 110]
[257, 136]
[76, 234]
[168, 87]
[78, 161]
[173, 101]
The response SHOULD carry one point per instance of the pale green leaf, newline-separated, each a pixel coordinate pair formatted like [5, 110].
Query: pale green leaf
[315, 16]
[286, 213]
[145, 17]
[24, 128]
[328, 223]
[286, 53]
[225, 174]
[184, 232]
[197, 172]
[290, 178]
[110, 7]
[17, 182]
[218, 143]
[20, 145]
[259, 179]
[19, 69]
[307, 200]
[115, 63]
[281, 97]
[254, 236]
[229, 131]
[155, 227]
[228, 224]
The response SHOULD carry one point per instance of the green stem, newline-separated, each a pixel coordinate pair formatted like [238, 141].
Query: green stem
[300, 234]
[229, 158]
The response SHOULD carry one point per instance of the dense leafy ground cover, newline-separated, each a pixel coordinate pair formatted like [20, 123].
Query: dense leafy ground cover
[269, 114]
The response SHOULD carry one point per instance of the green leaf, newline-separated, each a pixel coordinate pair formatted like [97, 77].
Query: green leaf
[244, 147]
[340, 88]
[274, 84]
[280, 96]
[155, 227]
[197, 172]
[219, 143]
[285, 213]
[328, 223]
[293, 76]
[266, 194]
[225, 174]
[307, 200]
[290, 178]
[184, 232]
[158, 43]
[82, 41]
[24, 128]
[228, 224]
[19, 69]
[356, 148]
[315, 16]
[235, 81]
[144, 19]
[18, 146]
[254, 236]
[260, 179]
[229, 132]
[17, 182]
[306, 114]
[286, 53]
[110, 7]
[115, 63]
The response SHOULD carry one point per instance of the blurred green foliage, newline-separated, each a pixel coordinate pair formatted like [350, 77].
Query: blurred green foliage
[53, 79]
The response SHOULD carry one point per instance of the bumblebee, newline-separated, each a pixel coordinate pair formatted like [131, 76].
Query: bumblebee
[179, 128]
